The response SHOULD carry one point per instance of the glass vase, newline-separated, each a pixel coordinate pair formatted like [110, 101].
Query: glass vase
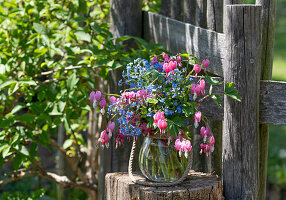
[161, 162]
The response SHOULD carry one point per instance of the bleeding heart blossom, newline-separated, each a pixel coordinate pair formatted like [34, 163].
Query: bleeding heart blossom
[206, 63]
[110, 128]
[195, 90]
[212, 142]
[167, 68]
[173, 65]
[97, 95]
[158, 115]
[113, 99]
[197, 69]
[179, 59]
[165, 56]
[202, 86]
[207, 150]
[102, 105]
[162, 124]
[92, 96]
[197, 118]
[205, 133]
[104, 138]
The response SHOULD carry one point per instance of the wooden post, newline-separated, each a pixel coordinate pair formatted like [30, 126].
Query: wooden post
[197, 186]
[126, 19]
[241, 119]
[229, 2]
[268, 24]
[172, 9]
[189, 11]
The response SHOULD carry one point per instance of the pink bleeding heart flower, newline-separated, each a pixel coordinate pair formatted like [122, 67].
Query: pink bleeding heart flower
[188, 145]
[206, 63]
[202, 86]
[183, 146]
[92, 96]
[197, 69]
[178, 144]
[102, 105]
[158, 115]
[173, 64]
[104, 138]
[212, 142]
[141, 94]
[165, 56]
[202, 148]
[195, 90]
[119, 139]
[205, 133]
[179, 59]
[110, 128]
[167, 68]
[197, 118]
[97, 95]
[113, 99]
[162, 124]
[207, 147]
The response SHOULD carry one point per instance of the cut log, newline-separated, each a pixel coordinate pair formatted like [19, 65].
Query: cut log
[197, 186]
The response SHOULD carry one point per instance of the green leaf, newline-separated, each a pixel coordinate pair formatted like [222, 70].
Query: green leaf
[67, 143]
[188, 111]
[212, 80]
[6, 122]
[7, 83]
[81, 35]
[231, 91]
[5, 152]
[217, 99]
[16, 109]
[17, 161]
[23, 150]
[39, 28]
[72, 81]
[27, 117]
[33, 149]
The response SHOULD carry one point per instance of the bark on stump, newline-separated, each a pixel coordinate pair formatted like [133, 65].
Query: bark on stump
[197, 186]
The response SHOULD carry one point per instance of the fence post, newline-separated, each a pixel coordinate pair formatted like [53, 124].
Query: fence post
[241, 119]
[268, 24]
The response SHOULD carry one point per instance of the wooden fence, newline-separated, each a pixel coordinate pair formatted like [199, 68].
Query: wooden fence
[239, 45]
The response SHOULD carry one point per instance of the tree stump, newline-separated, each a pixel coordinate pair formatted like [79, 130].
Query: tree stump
[197, 186]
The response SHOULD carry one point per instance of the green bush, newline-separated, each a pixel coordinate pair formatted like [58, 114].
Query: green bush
[51, 53]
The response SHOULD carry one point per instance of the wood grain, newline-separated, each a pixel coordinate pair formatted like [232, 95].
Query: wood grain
[268, 26]
[177, 36]
[197, 186]
[241, 119]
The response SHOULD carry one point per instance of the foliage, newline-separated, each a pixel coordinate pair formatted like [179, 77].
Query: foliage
[52, 54]
[19, 196]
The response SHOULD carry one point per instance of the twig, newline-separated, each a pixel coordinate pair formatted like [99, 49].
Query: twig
[61, 69]
[63, 180]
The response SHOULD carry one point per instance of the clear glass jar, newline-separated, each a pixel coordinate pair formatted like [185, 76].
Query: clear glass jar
[161, 162]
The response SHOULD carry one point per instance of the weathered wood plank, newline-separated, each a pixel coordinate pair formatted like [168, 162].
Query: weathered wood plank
[196, 186]
[177, 36]
[268, 26]
[241, 119]
[272, 103]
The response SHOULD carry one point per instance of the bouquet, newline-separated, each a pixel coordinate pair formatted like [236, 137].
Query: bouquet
[162, 99]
